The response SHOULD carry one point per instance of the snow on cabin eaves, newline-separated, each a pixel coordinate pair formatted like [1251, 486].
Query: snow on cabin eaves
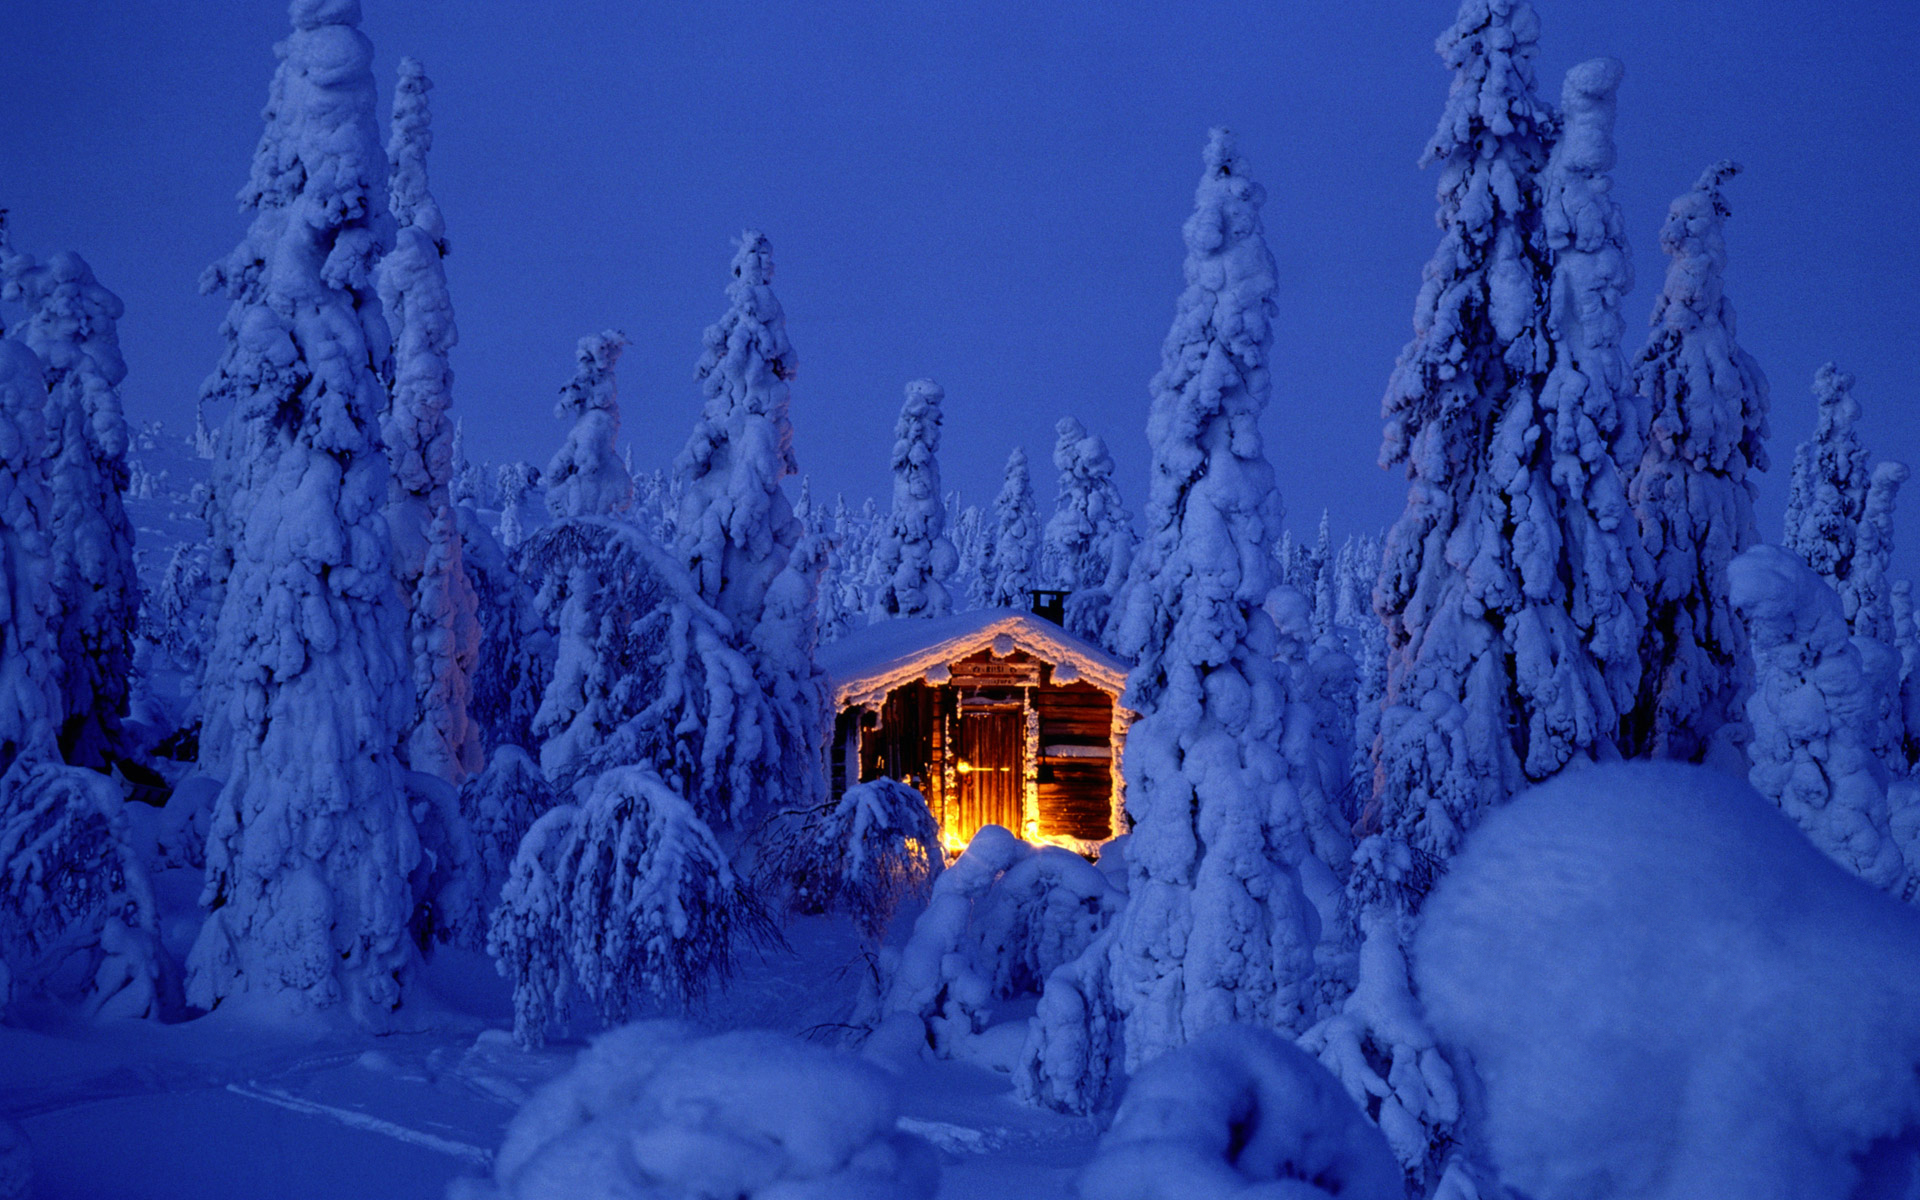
[868, 663]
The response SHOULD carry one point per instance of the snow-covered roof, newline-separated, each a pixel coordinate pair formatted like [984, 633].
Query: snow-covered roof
[868, 663]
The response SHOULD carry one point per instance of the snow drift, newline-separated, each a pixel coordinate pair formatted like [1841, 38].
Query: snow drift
[1669, 993]
[1240, 1112]
[653, 1110]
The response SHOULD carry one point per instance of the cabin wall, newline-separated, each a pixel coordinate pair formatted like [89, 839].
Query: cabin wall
[1076, 761]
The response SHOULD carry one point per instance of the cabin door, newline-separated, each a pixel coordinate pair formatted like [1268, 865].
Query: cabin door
[989, 776]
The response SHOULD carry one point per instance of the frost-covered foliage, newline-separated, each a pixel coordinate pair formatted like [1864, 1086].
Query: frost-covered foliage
[307, 686]
[516, 483]
[912, 558]
[1317, 746]
[655, 1110]
[76, 915]
[628, 898]
[735, 526]
[29, 651]
[1002, 919]
[1239, 1112]
[645, 674]
[1216, 929]
[71, 326]
[1818, 713]
[443, 629]
[516, 651]
[1691, 493]
[866, 854]
[1686, 1000]
[500, 804]
[1356, 567]
[449, 899]
[972, 539]
[1089, 539]
[586, 478]
[1016, 537]
[843, 584]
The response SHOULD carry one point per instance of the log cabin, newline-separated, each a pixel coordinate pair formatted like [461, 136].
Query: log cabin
[998, 717]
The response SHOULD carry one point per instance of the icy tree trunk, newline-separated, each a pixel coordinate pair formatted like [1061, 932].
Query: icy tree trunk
[443, 628]
[912, 558]
[1216, 928]
[1691, 494]
[307, 685]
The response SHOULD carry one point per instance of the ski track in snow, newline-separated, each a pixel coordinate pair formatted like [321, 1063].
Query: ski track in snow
[475, 1155]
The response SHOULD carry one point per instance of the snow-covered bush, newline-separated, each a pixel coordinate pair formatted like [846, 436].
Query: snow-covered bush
[867, 853]
[628, 896]
[1670, 994]
[1002, 918]
[76, 915]
[500, 804]
[1239, 1112]
[647, 673]
[654, 1110]
[1819, 713]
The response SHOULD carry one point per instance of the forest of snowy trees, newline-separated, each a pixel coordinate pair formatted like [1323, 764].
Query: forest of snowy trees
[572, 715]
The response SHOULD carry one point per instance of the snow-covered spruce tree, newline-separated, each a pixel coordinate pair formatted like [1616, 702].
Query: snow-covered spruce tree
[307, 686]
[515, 481]
[1089, 539]
[586, 478]
[1691, 494]
[1488, 681]
[737, 532]
[912, 558]
[1816, 713]
[1828, 491]
[443, 628]
[1016, 538]
[735, 526]
[1216, 929]
[1867, 598]
[842, 584]
[29, 646]
[71, 326]
[516, 651]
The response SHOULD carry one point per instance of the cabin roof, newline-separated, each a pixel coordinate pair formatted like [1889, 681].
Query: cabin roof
[868, 663]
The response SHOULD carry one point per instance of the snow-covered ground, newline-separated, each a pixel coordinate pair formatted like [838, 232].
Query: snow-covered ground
[241, 1105]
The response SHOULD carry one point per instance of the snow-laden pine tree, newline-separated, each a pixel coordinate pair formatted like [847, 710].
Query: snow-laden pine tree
[749, 557]
[1691, 494]
[1016, 537]
[1089, 539]
[71, 326]
[586, 478]
[912, 558]
[29, 645]
[307, 686]
[1216, 929]
[443, 628]
[1488, 684]
[1868, 598]
[1828, 490]
[735, 526]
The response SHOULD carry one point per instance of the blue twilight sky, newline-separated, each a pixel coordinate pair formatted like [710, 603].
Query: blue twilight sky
[988, 193]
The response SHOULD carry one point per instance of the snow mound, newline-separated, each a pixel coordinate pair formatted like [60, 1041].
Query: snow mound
[1240, 1112]
[1669, 993]
[653, 1110]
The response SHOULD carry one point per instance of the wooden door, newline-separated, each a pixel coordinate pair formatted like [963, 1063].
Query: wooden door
[988, 775]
